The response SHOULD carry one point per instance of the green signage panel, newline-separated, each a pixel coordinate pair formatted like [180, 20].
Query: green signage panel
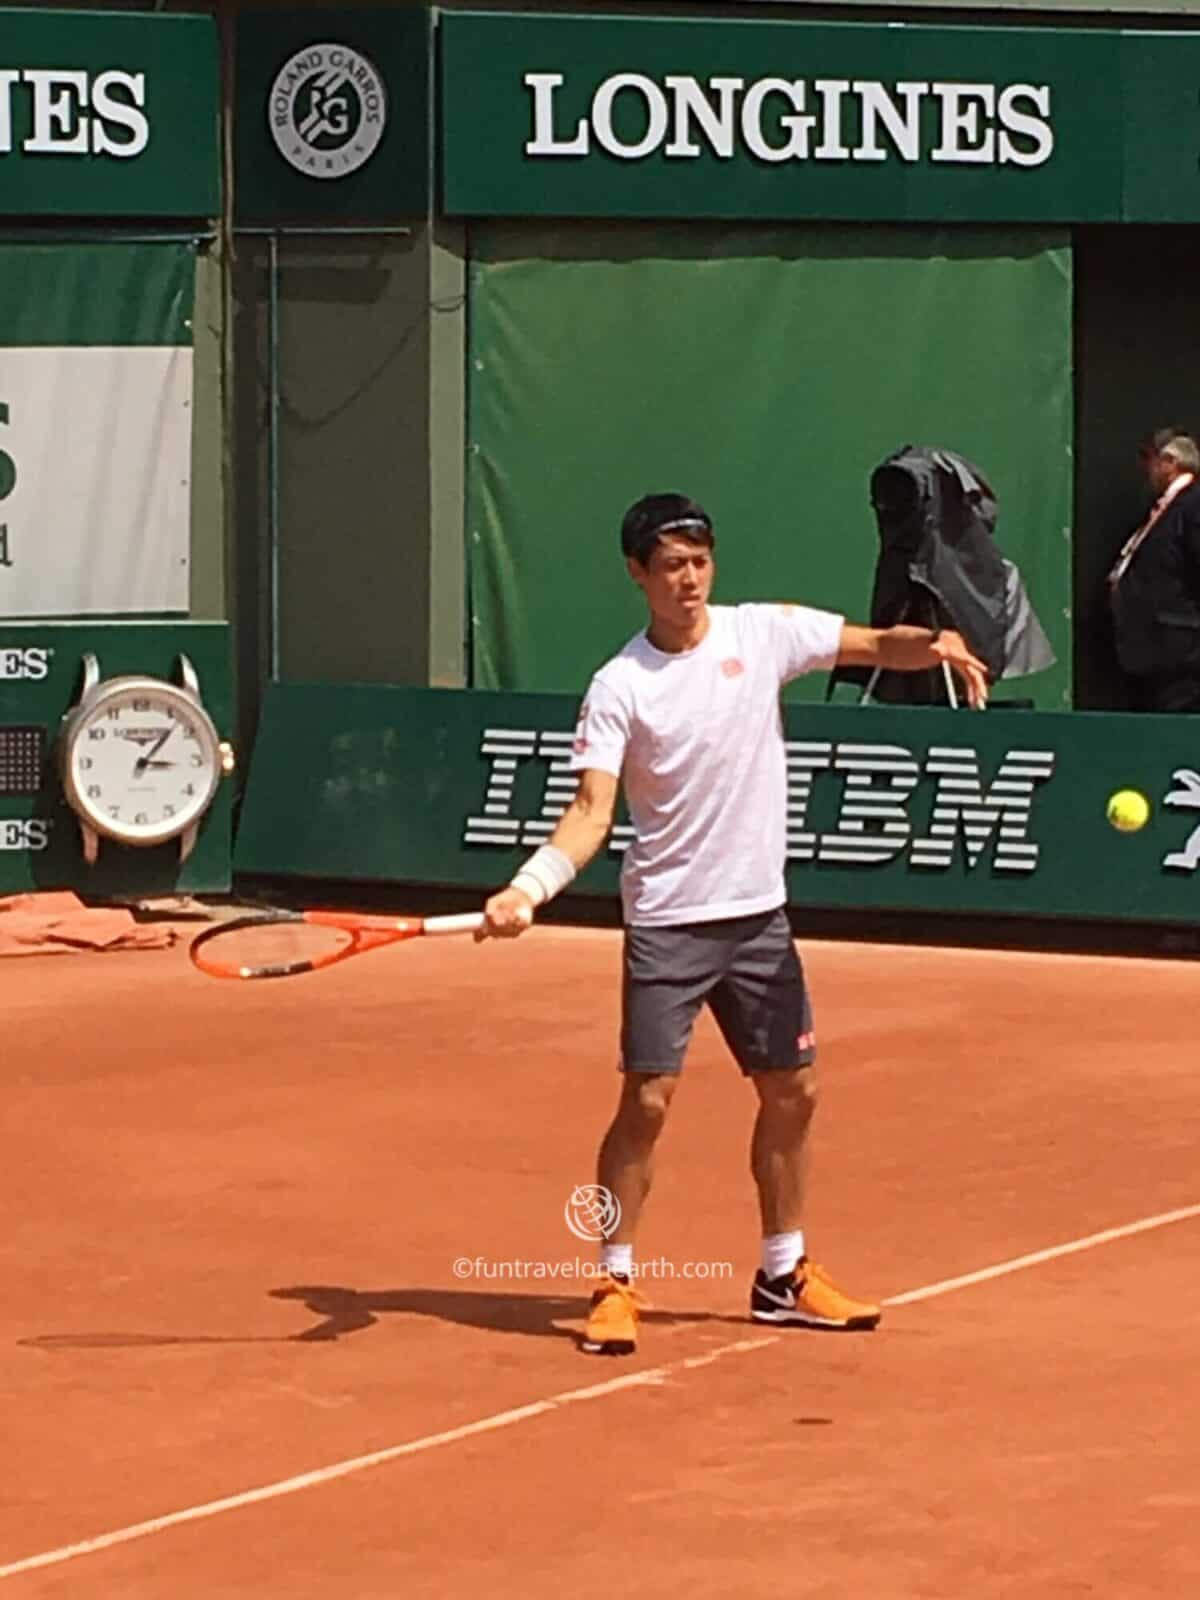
[110, 116]
[332, 118]
[40, 678]
[604, 116]
[1002, 812]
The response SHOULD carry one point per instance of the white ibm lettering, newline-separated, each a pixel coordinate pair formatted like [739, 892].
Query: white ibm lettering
[805, 760]
[873, 824]
[961, 808]
[506, 749]
[780, 119]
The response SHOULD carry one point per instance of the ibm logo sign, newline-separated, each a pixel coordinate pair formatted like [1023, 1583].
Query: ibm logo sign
[873, 825]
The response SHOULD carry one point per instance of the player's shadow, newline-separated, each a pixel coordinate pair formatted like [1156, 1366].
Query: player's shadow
[342, 1311]
[345, 1311]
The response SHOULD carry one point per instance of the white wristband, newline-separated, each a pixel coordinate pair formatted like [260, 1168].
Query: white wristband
[547, 873]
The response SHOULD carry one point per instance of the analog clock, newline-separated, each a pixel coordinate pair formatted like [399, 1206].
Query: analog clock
[141, 759]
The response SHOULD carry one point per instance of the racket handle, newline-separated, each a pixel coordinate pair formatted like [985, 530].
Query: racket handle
[467, 923]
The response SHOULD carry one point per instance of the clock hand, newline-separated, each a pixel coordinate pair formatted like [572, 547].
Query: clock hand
[143, 761]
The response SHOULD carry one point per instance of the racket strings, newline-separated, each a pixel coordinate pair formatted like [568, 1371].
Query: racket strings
[268, 945]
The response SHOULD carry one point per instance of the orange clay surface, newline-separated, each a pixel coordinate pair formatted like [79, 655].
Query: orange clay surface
[231, 1215]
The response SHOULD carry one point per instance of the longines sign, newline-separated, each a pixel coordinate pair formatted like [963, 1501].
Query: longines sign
[589, 116]
[686, 119]
[104, 115]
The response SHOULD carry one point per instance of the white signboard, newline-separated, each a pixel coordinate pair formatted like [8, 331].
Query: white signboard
[98, 441]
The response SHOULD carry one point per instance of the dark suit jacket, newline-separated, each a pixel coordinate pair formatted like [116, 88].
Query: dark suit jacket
[1156, 605]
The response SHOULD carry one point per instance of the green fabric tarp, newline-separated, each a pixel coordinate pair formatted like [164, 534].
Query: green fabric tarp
[766, 372]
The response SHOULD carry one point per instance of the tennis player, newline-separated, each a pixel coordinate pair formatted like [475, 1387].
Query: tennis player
[687, 717]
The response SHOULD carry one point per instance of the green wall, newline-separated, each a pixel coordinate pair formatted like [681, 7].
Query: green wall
[765, 371]
[1000, 813]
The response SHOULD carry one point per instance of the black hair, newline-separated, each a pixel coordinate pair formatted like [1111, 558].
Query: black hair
[655, 514]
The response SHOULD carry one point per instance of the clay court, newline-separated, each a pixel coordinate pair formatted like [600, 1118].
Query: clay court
[237, 1360]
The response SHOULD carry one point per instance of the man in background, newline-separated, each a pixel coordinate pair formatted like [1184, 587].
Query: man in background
[1154, 585]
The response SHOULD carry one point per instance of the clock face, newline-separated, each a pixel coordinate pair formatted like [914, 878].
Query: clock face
[143, 764]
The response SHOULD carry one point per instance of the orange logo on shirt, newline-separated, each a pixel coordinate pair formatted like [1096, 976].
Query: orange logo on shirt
[732, 667]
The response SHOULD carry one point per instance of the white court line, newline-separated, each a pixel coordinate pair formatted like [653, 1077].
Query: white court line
[1019, 1263]
[539, 1408]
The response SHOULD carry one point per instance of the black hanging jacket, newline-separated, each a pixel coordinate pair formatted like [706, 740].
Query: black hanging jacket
[939, 567]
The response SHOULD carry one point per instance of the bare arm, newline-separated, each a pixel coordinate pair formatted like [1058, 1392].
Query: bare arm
[904, 649]
[579, 833]
[584, 826]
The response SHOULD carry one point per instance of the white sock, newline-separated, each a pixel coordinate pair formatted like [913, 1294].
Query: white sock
[781, 1251]
[617, 1258]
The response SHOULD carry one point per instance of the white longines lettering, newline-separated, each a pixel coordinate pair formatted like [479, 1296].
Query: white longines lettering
[776, 119]
[969, 819]
[24, 833]
[68, 112]
[31, 663]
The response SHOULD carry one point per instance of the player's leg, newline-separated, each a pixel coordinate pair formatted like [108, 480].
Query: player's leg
[625, 1166]
[666, 976]
[787, 1102]
[762, 1007]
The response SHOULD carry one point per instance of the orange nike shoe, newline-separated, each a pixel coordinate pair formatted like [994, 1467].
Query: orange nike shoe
[807, 1297]
[612, 1319]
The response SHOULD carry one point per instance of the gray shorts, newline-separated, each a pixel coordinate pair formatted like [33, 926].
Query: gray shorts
[746, 968]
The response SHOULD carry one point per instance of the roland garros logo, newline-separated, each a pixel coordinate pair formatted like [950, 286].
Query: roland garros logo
[327, 110]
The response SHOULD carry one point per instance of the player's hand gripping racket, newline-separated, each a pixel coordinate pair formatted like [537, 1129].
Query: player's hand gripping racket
[283, 944]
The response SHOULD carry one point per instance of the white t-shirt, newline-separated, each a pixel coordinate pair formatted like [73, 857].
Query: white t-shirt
[697, 738]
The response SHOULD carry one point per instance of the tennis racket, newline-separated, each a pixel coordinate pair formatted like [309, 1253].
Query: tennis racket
[283, 944]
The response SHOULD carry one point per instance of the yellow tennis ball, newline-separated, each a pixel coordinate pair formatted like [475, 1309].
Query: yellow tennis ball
[1128, 810]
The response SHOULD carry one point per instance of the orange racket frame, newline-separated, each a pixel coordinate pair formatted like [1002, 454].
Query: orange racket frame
[365, 933]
